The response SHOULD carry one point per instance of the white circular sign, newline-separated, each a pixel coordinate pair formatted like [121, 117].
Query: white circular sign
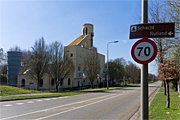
[144, 51]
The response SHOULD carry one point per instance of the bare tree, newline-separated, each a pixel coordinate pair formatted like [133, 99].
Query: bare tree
[92, 66]
[3, 67]
[168, 72]
[38, 61]
[158, 13]
[61, 67]
[174, 13]
[25, 62]
[15, 48]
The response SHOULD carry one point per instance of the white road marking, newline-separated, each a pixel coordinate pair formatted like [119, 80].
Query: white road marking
[54, 98]
[74, 108]
[47, 99]
[30, 102]
[39, 100]
[8, 105]
[19, 103]
[58, 106]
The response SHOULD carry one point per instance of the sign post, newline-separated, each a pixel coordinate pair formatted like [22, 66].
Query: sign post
[144, 71]
[145, 50]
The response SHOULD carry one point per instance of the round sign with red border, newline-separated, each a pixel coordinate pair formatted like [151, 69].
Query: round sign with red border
[144, 51]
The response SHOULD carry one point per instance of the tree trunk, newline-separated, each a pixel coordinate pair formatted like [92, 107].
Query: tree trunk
[92, 85]
[179, 86]
[164, 84]
[38, 84]
[57, 86]
[176, 85]
[168, 95]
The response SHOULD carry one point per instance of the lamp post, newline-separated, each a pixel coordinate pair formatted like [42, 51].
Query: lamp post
[107, 60]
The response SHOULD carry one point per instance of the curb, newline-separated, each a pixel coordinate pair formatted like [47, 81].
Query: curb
[136, 115]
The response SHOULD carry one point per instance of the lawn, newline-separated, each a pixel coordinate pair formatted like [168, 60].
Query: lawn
[15, 93]
[9, 90]
[158, 110]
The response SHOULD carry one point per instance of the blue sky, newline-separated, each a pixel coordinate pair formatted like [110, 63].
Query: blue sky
[24, 21]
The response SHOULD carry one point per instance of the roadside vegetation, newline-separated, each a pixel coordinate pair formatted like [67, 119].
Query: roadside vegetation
[15, 93]
[9, 90]
[158, 111]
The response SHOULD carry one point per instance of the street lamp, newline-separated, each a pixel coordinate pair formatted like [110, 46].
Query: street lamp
[107, 60]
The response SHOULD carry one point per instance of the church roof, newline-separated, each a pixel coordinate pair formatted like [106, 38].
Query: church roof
[77, 40]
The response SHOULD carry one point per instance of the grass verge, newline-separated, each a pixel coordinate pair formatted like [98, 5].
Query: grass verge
[9, 90]
[158, 110]
[42, 95]
[8, 93]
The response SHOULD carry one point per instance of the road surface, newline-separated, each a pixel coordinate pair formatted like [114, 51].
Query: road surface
[112, 105]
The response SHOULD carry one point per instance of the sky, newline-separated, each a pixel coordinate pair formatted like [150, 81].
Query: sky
[22, 22]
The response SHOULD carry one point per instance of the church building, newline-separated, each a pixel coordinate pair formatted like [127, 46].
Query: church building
[77, 50]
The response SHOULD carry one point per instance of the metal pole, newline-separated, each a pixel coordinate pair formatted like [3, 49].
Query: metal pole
[108, 61]
[107, 65]
[144, 71]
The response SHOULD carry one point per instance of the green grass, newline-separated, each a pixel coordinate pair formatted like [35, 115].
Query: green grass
[42, 95]
[9, 90]
[158, 110]
[15, 93]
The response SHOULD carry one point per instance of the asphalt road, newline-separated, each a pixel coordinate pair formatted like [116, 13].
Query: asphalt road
[111, 105]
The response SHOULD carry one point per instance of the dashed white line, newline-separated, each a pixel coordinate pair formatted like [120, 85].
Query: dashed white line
[8, 105]
[30, 102]
[47, 99]
[39, 100]
[54, 98]
[19, 103]
[74, 108]
[57, 107]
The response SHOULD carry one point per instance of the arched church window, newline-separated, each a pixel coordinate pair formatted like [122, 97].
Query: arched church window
[52, 82]
[41, 83]
[23, 83]
[69, 81]
[86, 30]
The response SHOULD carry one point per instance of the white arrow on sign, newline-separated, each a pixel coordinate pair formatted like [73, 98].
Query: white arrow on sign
[170, 33]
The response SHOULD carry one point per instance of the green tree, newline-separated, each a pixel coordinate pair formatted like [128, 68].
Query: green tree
[116, 69]
[132, 73]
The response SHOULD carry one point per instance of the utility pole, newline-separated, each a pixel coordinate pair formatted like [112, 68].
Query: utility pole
[144, 70]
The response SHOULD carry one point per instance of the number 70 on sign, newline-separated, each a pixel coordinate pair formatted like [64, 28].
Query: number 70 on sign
[144, 51]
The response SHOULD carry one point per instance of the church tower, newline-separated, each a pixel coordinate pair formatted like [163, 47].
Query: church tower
[85, 40]
[87, 29]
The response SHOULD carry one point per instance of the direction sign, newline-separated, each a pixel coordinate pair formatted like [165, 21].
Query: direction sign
[144, 51]
[105, 70]
[152, 30]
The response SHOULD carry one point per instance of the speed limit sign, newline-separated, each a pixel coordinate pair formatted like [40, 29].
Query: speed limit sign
[144, 51]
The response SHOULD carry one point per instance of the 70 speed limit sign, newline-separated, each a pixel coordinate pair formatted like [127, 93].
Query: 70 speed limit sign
[144, 51]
